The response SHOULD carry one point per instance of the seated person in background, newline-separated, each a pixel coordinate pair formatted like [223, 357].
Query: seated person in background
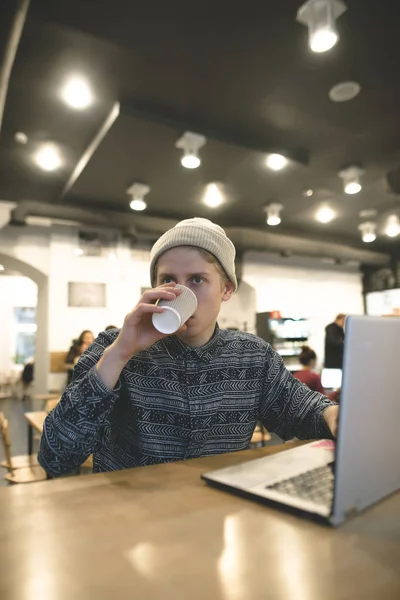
[308, 359]
[110, 327]
[74, 353]
[140, 397]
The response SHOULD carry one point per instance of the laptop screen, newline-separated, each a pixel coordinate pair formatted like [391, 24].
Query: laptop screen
[331, 379]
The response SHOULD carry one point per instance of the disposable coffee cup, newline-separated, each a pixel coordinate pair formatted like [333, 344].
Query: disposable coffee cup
[176, 312]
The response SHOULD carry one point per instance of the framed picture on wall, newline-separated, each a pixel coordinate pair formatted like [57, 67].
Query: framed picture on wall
[91, 295]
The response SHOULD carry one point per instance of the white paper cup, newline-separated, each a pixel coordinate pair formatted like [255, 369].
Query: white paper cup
[176, 312]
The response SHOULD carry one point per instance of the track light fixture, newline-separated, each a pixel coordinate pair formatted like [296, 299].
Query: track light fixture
[273, 213]
[392, 228]
[138, 191]
[351, 179]
[191, 143]
[320, 18]
[368, 231]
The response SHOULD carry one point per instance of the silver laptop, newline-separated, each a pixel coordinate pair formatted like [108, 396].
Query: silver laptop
[334, 483]
[331, 379]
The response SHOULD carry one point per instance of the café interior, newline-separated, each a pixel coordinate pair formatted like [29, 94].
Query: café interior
[280, 123]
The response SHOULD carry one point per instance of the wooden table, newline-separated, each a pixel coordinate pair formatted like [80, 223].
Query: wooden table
[35, 422]
[161, 533]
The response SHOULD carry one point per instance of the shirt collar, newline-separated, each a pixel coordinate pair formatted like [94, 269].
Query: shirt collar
[175, 348]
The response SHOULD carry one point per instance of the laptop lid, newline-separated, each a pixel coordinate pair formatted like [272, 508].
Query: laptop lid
[368, 445]
[331, 379]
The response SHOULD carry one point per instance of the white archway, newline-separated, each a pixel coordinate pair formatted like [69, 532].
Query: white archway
[42, 312]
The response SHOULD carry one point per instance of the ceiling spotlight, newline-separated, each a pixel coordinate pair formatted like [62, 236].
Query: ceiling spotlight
[320, 18]
[112, 256]
[308, 193]
[368, 232]
[48, 157]
[273, 214]
[138, 191]
[76, 93]
[276, 162]
[213, 196]
[351, 179]
[190, 143]
[78, 251]
[325, 215]
[392, 228]
[2, 268]
[21, 138]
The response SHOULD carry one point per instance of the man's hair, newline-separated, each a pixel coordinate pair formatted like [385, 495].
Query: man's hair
[210, 258]
[340, 316]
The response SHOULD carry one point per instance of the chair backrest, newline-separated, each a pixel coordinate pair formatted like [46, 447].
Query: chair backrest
[5, 436]
[50, 404]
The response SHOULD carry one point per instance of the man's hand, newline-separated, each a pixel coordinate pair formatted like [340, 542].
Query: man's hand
[137, 333]
[331, 416]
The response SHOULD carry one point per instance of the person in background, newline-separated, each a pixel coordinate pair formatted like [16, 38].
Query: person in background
[308, 359]
[78, 347]
[109, 327]
[334, 343]
[140, 397]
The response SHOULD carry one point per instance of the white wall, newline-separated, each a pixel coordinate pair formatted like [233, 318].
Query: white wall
[383, 303]
[14, 291]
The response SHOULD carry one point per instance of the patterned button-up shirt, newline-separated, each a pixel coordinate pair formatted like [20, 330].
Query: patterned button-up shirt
[173, 402]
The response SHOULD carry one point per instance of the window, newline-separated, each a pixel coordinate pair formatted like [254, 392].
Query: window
[25, 334]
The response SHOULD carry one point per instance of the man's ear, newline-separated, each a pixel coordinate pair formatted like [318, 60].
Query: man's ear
[228, 291]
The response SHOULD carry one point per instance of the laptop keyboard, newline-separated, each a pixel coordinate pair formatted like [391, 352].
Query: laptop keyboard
[315, 485]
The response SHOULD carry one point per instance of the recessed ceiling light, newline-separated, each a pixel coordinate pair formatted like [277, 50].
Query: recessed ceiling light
[308, 193]
[2, 268]
[276, 162]
[213, 195]
[112, 256]
[345, 91]
[325, 215]
[21, 138]
[78, 251]
[48, 157]
[76, 93]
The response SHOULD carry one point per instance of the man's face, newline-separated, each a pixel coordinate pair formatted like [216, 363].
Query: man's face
[340, 322]
[187, 267]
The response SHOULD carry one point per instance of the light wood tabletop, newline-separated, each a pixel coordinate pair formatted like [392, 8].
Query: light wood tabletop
[161, 533]
[36, 419]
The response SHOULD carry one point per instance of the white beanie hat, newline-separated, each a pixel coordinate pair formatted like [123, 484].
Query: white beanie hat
[200, 233]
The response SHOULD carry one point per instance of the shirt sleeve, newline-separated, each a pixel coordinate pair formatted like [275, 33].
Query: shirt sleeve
[289, 408]
[73, 430]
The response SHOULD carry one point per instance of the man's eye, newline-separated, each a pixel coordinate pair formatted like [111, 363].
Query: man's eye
[167, 280]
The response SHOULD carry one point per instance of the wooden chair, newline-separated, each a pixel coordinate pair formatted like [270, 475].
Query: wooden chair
[24, 474]
[260, 436]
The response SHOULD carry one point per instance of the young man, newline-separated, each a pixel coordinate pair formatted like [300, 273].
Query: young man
[140, 397]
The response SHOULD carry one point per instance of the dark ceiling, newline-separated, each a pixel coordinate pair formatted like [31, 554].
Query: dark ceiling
[242, 76]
